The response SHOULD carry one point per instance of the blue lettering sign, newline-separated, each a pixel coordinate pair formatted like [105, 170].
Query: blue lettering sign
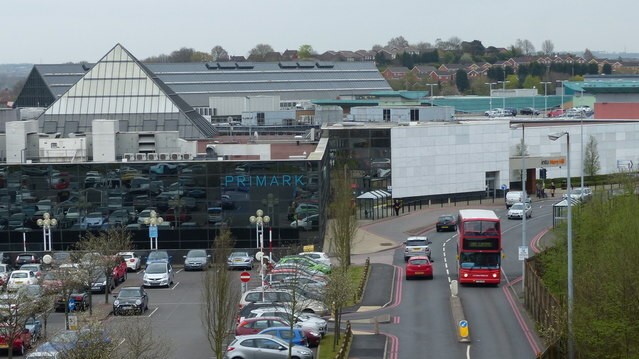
[286, 180]
[260, 181]
[298, 181]
[263, 181]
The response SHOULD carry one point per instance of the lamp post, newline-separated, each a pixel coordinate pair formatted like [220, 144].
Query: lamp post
[270, 202]
[524, 176]
[534, 95]
[554, 137]
[503, 91]
[46, 222]
[431, 93]
[545, 83]
[24, 231]
[259, 220]
[490, 93]
[153, 221]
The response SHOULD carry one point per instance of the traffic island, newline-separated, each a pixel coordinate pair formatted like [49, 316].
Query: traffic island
[459, 318]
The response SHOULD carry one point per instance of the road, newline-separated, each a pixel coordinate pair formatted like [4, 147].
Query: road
[421, 318]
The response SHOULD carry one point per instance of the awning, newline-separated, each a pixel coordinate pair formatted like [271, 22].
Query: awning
[378, 194]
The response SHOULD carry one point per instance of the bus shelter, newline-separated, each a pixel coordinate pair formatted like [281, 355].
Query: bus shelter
[374, 204]
[560, 210]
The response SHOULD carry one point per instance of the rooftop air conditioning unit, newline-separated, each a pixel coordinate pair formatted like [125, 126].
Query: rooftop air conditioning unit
[187, 156]
[152, 156]
[129, 156]
[176, 156]
[140, 156]
[164, 156]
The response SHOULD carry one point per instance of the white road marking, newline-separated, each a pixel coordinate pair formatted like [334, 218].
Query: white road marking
[468, 351]
[179, 270]
[175, 285]
[153, 312]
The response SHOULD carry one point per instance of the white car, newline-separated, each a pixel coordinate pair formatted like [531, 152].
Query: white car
[20, 278]
[517, 210]
[306, 223]
[133, 261]
[158, 274]
[318, 257]
[302, 320]
[581, 194]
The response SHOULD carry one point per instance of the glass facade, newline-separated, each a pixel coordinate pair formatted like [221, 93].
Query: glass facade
[194, 198]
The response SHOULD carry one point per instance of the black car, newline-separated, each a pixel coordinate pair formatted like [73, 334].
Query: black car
[529, 111]
[513, 111]
[78, 300]
[446, 222]
[130, 300]
[26, 258]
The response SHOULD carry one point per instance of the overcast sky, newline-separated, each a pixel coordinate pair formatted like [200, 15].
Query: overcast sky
[47, 31]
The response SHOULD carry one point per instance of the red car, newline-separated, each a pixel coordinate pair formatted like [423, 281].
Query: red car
[556, 112]
[21, 342]
[119, 271]
[256, 325]
[419, 266]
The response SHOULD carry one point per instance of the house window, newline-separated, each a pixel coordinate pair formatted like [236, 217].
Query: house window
[260, 118]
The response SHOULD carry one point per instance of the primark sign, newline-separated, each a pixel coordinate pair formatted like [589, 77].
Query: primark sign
[264, 181]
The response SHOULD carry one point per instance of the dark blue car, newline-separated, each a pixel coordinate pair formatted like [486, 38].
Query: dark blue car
[296, 336]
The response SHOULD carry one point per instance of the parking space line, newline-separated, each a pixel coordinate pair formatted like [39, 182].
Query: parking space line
[153, 312]
[175, 285]
[179, 270]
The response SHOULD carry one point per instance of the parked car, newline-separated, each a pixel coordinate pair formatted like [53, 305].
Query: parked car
[78, 299]
[273, 279]
[120, 269]
[133, 261]
[320, 257]
[308, 321]
[100, 282]
[36, 268]
[240, 260]
[419, 266]
[5, 271]
[416, 246]
[197, 259]
[518, 210]
[255, 325]
[306, 262]
[307, 223]
[119, 217]
[558, 112]
[20, 278]
[294, 336]
[264, 346]
[158, 257]
[21, 342]
[158, 274]
[446, 222]
[93, 220]
[529, 111]
[131, 300]
[581, 194]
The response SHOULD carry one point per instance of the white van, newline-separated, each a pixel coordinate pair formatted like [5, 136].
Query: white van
[513, 197]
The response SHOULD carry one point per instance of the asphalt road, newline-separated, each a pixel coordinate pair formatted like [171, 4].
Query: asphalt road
[422, 320]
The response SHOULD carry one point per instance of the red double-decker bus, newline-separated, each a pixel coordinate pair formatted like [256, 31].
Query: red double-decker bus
[478, 247]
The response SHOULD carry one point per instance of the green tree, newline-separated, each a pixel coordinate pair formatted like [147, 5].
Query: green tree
[339, 291]
[532, 81]
[305, 52]
[606, 69]
[218, 53]
[591, 157]
[461, 80]
[343, 223]
[513, 82]
[260, 51]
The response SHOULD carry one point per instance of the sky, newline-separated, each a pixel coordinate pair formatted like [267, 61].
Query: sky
[47, 31]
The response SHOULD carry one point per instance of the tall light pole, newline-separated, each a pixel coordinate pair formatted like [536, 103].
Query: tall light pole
[46, 222]
[534, 95]
[431, 93]
[259, 220]
[545, 83]
[490, 92]
[270, 202]
[554, 137]
[503, 93]
[153, 220]
[524, 175]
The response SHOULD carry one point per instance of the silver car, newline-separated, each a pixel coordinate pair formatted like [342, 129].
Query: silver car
[240, 260]
[264, 346]
[416, 246]
[196, 259]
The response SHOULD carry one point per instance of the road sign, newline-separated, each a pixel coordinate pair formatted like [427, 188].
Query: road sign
[73, 322]
[523, 252]
[463, 328]
[259, 256]
[153, 231]
[245, 276]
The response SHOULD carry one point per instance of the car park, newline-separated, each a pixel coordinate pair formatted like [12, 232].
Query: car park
[446, 222]
[240, 260]
[264, 346]
[131, 300]
[416, 246]
[419, 266]
[196, 259]
[320, 257]
[158, 274]
[518, 210]
[290, 335]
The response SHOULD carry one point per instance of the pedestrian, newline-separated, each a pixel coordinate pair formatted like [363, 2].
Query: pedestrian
[538, 190]
[543, 189]
[552, 188]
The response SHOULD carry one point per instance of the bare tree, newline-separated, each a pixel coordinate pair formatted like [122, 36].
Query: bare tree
[397, 42]
[260, 51]
[218, 53]
[219, 296]
[93, 341]
[525, 46]
[15, 309]
[140, 342]
[591, 157]
[547, 47]
[338, 292]
[343, 223]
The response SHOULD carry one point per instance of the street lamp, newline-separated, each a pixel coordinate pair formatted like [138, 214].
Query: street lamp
[503, 91]
[563, 90]
[259, 220]
[431, 93]
[270, 202]
[24, 231]
[524, 176]
[545, 83]
[490, 93]
[46, 222]
[153, 221]
[554, 137]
